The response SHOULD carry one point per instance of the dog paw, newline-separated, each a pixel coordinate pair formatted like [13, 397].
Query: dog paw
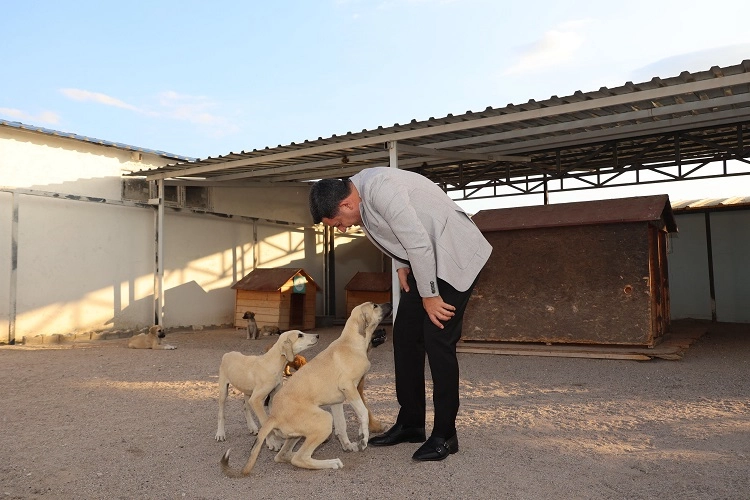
[361, 445]
[220, 437]
[169, 347]
[273, 443]
[349, 447]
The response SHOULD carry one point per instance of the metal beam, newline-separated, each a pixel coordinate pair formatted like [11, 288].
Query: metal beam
[430, 152]
[515, 144]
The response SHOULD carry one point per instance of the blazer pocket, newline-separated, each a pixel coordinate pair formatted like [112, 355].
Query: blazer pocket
[459, 242]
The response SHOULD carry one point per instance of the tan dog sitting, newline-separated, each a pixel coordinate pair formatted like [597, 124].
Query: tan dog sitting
[150, 340]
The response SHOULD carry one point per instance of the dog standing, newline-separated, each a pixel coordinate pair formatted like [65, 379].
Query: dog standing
[330, 378]
[257, 376]
[150, 340]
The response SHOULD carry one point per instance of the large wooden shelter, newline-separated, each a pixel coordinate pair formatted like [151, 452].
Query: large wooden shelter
[589, 273]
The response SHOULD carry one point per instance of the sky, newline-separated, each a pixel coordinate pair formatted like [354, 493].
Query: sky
[200, 78]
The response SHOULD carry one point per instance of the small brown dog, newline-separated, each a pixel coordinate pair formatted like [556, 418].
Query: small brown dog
[150, 340]
[252, 326]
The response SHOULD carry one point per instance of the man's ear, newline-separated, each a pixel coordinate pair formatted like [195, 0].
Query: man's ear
[345, 203]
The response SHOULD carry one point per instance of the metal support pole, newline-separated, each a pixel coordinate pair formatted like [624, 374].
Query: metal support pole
[710, 255]
[331, 272]
[395, 285]
[159, 255]
[13, 272]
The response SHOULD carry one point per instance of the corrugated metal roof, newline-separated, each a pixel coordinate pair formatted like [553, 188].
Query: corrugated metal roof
[710, 203]
[270, 280]
[67, 135]
[619, 210]
[634, 126]
[369, 282]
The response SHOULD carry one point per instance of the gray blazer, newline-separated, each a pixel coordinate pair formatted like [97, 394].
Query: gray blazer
[412, 220]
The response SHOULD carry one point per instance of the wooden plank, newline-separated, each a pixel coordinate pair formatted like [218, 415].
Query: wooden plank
[672, 347]
[553, 353]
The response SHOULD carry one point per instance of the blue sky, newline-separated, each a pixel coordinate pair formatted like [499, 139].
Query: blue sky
[207, 78]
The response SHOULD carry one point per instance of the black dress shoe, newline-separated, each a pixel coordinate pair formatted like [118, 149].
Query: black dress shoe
[399, 434]
[436, 448]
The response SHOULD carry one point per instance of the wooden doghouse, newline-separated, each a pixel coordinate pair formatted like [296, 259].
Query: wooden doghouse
[589, 272]
[282, 297]
[367, 287]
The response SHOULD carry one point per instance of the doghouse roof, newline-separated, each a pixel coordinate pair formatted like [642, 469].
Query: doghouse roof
[636, 209]
[369, 282]
[271, 280]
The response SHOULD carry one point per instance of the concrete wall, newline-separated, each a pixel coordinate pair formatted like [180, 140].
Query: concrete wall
[89, 266]
[689, 266]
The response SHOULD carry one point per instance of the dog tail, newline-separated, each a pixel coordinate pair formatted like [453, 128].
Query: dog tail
[228, 471]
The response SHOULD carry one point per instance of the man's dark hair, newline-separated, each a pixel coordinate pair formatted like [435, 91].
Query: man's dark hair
[325, 196]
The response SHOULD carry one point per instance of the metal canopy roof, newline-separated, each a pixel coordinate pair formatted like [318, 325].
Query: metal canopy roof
[671, 127]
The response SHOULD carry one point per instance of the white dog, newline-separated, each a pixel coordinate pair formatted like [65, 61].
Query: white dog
[150, 340]
[257, 376]
[330, 378]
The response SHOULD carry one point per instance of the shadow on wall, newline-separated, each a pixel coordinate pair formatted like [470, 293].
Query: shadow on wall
[189, 302]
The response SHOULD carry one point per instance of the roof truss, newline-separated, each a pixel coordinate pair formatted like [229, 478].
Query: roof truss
[668, 128]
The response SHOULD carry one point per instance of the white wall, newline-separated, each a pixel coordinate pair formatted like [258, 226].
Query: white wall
[79, 264]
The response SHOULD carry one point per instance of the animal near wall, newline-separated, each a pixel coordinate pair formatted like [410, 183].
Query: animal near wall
[284, 297]
[588, 272]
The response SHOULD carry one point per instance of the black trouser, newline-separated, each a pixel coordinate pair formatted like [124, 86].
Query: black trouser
[413, 336]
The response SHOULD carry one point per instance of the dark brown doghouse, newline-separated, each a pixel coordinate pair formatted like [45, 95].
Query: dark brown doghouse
[282, 297]
[367, 287]
[589, 272]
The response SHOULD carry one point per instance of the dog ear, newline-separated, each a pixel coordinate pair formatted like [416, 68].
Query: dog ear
[364, 318]
[286, 349]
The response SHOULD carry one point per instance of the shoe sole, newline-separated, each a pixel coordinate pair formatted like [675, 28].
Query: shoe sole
[437, 459]
[412, 440]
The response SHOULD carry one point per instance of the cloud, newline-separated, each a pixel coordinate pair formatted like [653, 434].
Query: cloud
[97, 97]
[194, 109]
[700, 60]
[557, 46]
[44, 117]
[169, 105]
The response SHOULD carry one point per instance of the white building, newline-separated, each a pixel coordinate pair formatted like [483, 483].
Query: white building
[77, 240]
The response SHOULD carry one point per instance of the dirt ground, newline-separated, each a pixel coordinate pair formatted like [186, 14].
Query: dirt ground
[100, 421]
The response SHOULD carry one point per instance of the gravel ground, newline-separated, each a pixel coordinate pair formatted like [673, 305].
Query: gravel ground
[100, 421]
